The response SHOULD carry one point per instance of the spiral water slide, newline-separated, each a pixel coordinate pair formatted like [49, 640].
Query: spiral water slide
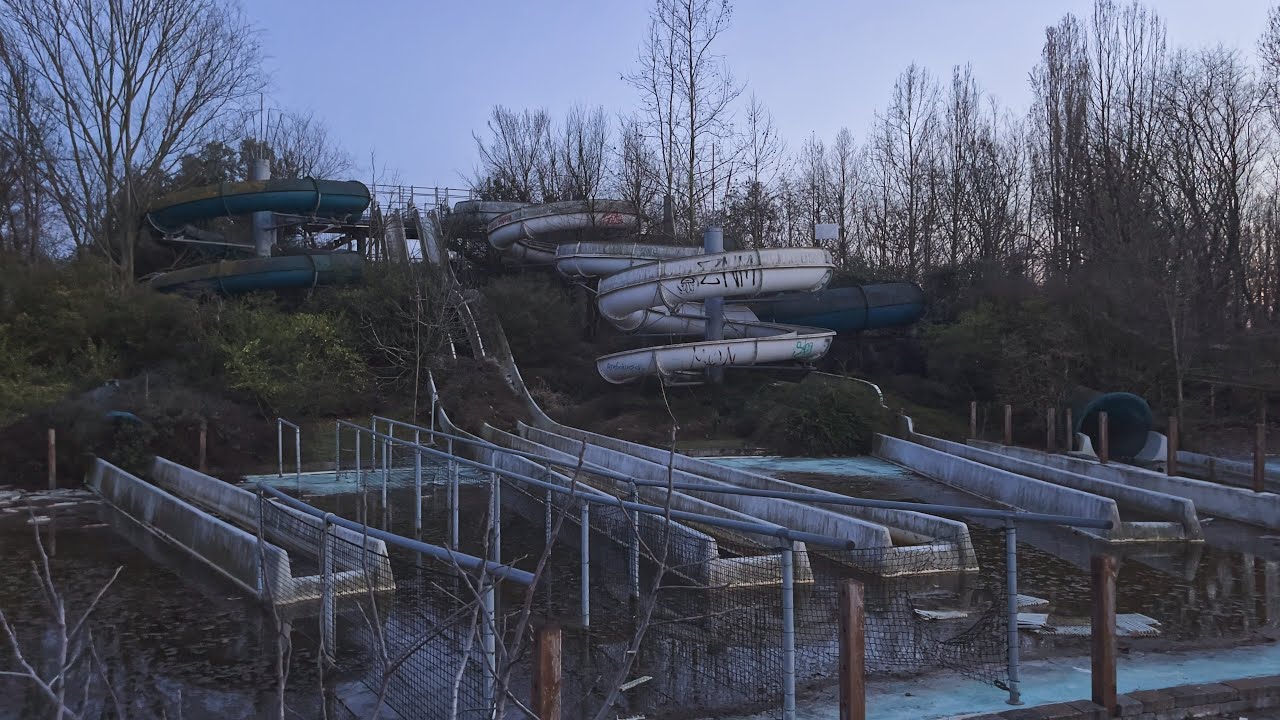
[660, 289]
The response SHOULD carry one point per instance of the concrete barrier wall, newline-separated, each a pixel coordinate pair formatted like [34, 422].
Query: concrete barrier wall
[1232, 472]
[241, 507]
[227, 549]
[1262, 509]
[1149, 502]
[1001, 486]
[779, 513]
[907, 525]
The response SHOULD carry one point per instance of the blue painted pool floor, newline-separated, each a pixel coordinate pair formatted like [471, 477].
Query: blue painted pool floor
[933, 697]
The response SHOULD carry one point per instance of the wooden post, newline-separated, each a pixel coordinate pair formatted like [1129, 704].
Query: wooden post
[1171, 457]
[1103, 632]
[973, 419]
[1104, 438]
[546, 673]
[53, 459]
[1008, 424]
[204, 446]
[1260, 457]
[1070, 428]
[1050, 430]
[853, 684]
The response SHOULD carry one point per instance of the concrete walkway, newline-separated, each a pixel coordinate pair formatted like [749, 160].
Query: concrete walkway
[938, 696]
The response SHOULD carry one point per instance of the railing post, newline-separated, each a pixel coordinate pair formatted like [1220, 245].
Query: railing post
[1171, 454]
[417, 482]
[1103, 631]
[1104, 438]
[853, 679]
[386, 476]
[53, 459]
[633, 569]
[1008, 424]
[337, 451]
[1011, 597]
[279, 448]
[547, 521]
[788, 634]
[328, 600]
[364, 509]
[973, 419]
[546, 673]
[1051, 430]
[488, 641]
[202, 463]
[453, 498]
[495, 518]
[1070, 443]
[585, 542]
[262, 531]
[1260, 457]
[297, 456]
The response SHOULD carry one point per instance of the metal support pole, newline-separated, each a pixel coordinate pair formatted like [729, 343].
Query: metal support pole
[261, 550]
[262, 232]
[1260, 457]
[973, 419]
[202, 461]
[337, 452]
[1104, 438]
[788, 634]
[1050, 430]
[386, 476]
[585, 542]
[547, 523]
[488, 642]
[713, 242]
[1171, 454]
[453, 498]
[364, 503]
[297, 457]
[1008, 424]
[853, 648]
[495, 516]
[279, 448]
[633, 570]
[53, 459]
[1070, 444]
[328, 600]
[1011, 593]
[417, 484]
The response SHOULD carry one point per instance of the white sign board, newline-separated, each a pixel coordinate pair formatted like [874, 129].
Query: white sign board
[826, 231]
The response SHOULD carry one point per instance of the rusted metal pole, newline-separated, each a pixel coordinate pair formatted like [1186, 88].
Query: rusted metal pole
[546, 673]
[1103, 631]
[853, 677]
[973, 419]
[1070, 433]
[1008, 424]
[53, 459]
[1050, 430]
[204, 447]
[1104, 438]
[1171, 455]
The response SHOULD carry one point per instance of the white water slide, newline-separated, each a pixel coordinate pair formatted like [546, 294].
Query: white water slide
[660, 289]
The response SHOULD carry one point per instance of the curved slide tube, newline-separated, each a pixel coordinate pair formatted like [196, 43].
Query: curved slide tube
[338, 199]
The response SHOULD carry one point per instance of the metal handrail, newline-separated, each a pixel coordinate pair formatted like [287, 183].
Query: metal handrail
[467, 562]
[776, 531]
[827, 499]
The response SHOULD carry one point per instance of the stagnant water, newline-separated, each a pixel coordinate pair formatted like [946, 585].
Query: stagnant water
[177, 637]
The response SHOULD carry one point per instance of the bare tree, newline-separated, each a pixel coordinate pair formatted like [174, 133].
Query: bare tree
[132, 85]
[515, 157]
[687, 93]
[299, 145]
[636, 174]
[842, 185]
[584, 143]
[762, 156]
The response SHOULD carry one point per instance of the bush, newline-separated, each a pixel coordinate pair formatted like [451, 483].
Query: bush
[537, 315]
[818, 417]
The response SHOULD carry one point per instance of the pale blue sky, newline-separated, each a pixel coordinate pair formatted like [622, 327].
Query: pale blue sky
[410, 79]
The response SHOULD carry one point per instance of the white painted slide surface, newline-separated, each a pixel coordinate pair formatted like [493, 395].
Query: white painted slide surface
[659, 289]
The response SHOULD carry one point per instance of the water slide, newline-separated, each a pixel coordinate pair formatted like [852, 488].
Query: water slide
[660, 289]
[303, 198]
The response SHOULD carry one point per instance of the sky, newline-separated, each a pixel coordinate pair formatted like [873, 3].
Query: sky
[403, 83]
